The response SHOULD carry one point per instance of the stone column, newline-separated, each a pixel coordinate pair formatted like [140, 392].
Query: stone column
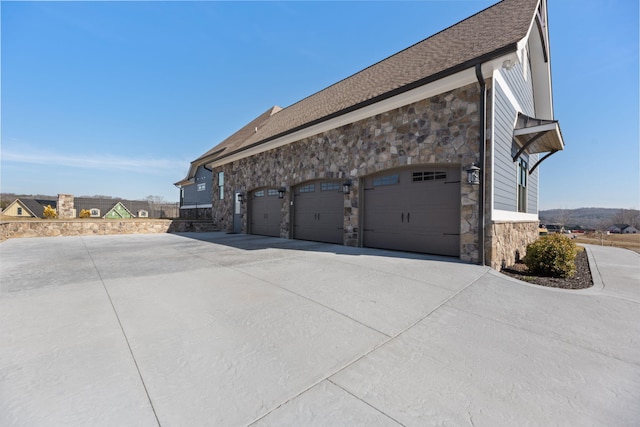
[65, 206]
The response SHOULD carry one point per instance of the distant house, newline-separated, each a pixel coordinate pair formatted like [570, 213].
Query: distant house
[97, 207]
[118, 211]
[622, 229]
[28, 208]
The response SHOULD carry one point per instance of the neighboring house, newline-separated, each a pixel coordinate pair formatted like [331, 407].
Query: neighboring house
[28, 208]
[108, 208]
[434, 149]
[622, 229]
[118, 211]
[97, 207]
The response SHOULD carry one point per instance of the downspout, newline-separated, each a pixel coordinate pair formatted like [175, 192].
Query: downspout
[483, 163]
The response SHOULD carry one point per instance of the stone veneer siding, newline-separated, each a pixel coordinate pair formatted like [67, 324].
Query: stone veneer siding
[442, 130]
[509, 242]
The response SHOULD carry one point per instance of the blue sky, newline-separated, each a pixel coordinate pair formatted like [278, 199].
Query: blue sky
[116, 98]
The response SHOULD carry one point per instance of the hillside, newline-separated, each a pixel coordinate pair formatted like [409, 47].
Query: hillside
[597, 218]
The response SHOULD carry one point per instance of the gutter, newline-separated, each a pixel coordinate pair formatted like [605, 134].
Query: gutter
[483, 162]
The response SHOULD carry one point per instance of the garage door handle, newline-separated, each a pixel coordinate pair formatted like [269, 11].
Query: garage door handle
[409, 217]
[451, 234]
[402, 216]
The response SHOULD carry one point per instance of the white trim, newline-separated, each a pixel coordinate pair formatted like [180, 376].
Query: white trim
[498, 77]
[500, 215]
[207, 205]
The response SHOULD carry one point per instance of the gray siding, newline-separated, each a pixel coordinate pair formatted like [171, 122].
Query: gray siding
[505, 169]
[191, 194]
[522, 89]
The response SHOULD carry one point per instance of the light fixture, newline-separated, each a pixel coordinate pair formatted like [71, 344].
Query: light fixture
[346, 186]
[240, 197]
[281, 192]
[473, 174]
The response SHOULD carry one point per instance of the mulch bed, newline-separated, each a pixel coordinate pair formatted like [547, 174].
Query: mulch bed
[581, 280]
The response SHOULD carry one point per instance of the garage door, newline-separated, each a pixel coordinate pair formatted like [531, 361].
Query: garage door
[319, 212]
[265, 212]
[415, 210]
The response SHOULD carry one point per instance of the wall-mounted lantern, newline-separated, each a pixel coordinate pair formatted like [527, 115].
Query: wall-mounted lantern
[473, 174]
[281, 192]
[346, 186]
[240, 197]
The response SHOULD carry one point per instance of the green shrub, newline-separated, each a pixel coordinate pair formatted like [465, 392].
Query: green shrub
[552, 255]
[84, 213]
[50, 213]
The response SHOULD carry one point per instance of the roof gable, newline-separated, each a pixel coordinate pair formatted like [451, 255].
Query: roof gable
[118, 211]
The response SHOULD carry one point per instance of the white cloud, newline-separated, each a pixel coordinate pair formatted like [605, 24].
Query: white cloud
[106, 162]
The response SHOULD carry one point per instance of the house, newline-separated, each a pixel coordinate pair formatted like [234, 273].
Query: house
[28, 208]
[622, 229]
[435, 149]
[196, 191]
[69, 207]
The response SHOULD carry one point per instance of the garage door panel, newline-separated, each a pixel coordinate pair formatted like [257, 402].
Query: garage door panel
[318, 214]
[414, 210]
[265, 213]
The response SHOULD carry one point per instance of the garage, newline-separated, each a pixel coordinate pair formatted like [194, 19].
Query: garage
[416, 210]
[318, 212]
[265, 212]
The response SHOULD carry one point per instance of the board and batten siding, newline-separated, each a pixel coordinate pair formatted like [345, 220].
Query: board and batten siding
[505, 169]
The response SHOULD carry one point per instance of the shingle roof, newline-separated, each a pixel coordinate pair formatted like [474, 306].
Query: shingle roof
[490, 33]
[36, 206]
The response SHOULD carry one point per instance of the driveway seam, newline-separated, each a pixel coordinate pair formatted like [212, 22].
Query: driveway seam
[308, 299]
[124, 334]
[555, 338]
[366, 403]
[362, 356]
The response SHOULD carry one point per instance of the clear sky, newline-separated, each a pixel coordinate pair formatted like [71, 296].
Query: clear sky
[116, 98]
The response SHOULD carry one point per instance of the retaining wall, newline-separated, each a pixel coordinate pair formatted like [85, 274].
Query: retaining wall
[88, 227]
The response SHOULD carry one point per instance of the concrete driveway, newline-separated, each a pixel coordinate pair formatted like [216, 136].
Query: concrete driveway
[213, 329]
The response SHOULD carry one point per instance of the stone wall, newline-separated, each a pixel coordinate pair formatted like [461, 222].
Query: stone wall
[442, 130]
[50, 228]
[509, 242]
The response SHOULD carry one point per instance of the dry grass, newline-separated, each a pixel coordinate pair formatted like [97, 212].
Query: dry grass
[626, 241]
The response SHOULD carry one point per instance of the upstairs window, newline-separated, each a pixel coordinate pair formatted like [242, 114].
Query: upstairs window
[523, 171]
[220, 185]
[202, 186]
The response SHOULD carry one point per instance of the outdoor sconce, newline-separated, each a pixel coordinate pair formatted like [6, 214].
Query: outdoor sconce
[346, 186]
[240, 197]
[473, 174]
[281, 192]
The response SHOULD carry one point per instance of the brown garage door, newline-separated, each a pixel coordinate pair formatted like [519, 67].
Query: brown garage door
[265, 212]
[415, 210]
[319, 212]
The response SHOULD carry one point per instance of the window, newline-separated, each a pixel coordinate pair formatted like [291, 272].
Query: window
[272, 192]
[428, 176]
[221, 185]
[259, 193]
[523, 170]
[19, 211]
[330, 186]
[202, 186]
[94, 212]
[310, 188]
[385, 180]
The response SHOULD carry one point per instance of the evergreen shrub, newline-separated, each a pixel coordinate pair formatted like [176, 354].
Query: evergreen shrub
[553, 255]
